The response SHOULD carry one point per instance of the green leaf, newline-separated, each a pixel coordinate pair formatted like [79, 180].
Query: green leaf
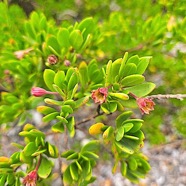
[3, 179]
[86, 26]
[59, 79]
[132, 163]
[81, 101]
[108, 133]
[29, 149]
[129, 69]
[124, 59]
[123, 168]
[124, 148]
[58, 127]
[139, 134]
[67, 153]
[10, 179]
[79, 166]
[29, 29]
[105, 108]
[52, 150]
[32, 134]
[122, 117]
[90, 155]
[144, 164]
[115, 68]
[143, 64]
[67, 178]
[87, 171]
[45, 109]
[70, 102]
[67, 109]
[142, 89]
[86, 43]
[131, 137]
[91, 146]
[74, 171]
[39, 141]
[83, 72]
[69, 73]
[52, 102]
[108, 77]
[128, 126]
[39, 152]
[72, 81]
[131, 176]
[58, 89]
[62, 119]
[48, 76]
[25, 159]
[73, 156]
[112, 106]
[43, 23]
[50, 116]
[132, 80]
[76, 39]
[134, 59]
[119, 95]
[53, 43]
[136, 127]
[70, 126]
[45, 168]
[34, 19]
[63, 38]
[120, 133]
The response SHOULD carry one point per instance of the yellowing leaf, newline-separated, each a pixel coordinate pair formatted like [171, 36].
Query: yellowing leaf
[96, 129]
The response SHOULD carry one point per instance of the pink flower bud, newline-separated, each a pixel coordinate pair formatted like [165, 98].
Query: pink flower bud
[145, 104]
[67, 63]
[21, 53]
[30, 179]
[52, 59]
[100, 95]
[38, 92]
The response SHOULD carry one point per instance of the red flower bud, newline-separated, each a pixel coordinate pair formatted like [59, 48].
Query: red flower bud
[52, 59]
[30, 179]
[38, 92]
[100, 95]
[145, 104]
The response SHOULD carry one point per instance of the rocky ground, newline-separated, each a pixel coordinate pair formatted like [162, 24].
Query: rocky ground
[168, 168]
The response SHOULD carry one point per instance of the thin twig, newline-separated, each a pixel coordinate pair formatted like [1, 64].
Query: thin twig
[168, 96]
[173, 144]
[38, 163]
[88, 119]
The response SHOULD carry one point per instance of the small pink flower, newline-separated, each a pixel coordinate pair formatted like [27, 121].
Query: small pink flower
[100, 95]
[30, 179]
[38, 92]
[67, 63]
[21, 53]
[145, 104]
[52, 59]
